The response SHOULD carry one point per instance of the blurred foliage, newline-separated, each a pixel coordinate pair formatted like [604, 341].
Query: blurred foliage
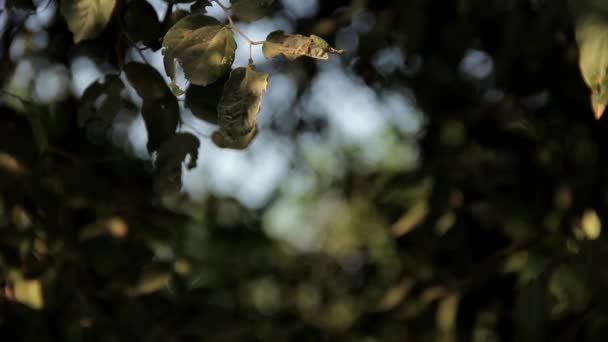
[493, 234]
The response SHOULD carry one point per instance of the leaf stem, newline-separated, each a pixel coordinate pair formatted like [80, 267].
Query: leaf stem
[236, 28]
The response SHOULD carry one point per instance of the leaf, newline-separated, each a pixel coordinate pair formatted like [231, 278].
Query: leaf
[161, 118]
[592, 39]
[293, 46]
[200, 6]
[202, 46]
[568, 290]
[153, 279]
[141, 22]
[101, 102]
[239, 143]
[169, 65]
[87, 18]
[160, 109]
[146, 80]
[168, 163]
[251, 10]
[27, 291]
[239, 106]
[203, 101]
[591, 224]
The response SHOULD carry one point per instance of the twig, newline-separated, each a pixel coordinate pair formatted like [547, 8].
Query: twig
[236, 28]
[133, 45]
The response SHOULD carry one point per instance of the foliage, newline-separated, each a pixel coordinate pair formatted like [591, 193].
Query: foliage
[485, 224]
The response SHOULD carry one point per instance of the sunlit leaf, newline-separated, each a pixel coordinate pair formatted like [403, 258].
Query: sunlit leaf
[202, 46]
[169, 159]
[250, 10]
[141, 22]
[293, 46]
[26, 291]
[87, 18]
[239, 106]
[169, 65]
[591, 224]
[410, 219]
[591, 20]
[101, 101]
[153, 279]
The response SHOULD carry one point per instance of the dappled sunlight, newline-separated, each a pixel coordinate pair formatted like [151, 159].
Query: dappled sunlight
[303, 170]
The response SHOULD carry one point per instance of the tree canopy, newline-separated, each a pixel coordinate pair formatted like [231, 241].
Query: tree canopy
[303, 170]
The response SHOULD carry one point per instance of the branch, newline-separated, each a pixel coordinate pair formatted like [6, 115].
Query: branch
[236, 28]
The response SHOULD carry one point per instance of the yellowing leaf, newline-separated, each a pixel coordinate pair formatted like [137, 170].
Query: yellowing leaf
[239, 143]
[239, 106]
[27, 291]
[153, 279]
[293, 46]
[414, 216]
[87, 18]
[202, 46]
[591, 224]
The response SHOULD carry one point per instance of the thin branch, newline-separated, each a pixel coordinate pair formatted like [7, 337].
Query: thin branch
[236, 28]
[134, 45]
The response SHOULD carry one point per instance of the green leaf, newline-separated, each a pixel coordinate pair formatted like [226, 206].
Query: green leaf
[168, 164]
[147, 81]
[141, 22]
[592, 38]
[239, 106]
[101, 102]
[251, 10]
[591, 20]
[568, 290]
[293, 46]
[203, 101]
[161, 118]
[87, 18]
[200, 6]
[202, 46]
